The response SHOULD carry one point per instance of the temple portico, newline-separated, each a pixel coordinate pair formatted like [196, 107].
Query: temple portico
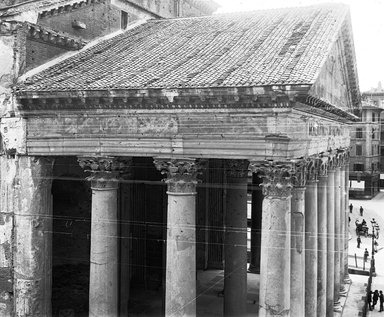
[174, 148]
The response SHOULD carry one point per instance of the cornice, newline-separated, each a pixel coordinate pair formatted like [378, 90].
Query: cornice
[183, 102]
[46, 35]
[65, 8]
[324, 106]
[45, 8]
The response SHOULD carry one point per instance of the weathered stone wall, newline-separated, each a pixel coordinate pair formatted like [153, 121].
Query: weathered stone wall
[7, 201]
[12, 57]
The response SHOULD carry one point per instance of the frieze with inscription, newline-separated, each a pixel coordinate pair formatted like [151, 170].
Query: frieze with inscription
[102, 125]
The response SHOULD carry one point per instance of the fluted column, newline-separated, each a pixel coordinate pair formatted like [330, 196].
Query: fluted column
[274, 298]
[30, 189]
[330, 242]
[180, 284]
[337, 238]
[322, 239]
[104, 268]
[235, 246]
[311, 256]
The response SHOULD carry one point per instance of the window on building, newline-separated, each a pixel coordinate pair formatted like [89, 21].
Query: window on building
[373, 133]
[124, 20]
[373, 117]
[359, 149]
[359, 133]
[373, 166]
[358, 167]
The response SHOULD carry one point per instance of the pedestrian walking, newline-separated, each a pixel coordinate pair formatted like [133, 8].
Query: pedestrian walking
[350, 208]
[375, 298]
[361, 211]
[358, 242]
[366, 255]
[381, 298]
[369, 299]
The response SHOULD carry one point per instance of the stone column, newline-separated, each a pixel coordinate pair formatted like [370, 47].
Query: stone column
[180, 284]
[322, 240]
[337, 239]
[257, 207]
[330, 242]
[311, 256]
[32, 236]
[343, 221]
[275, 267]
[104, 268]
[235, 245]
[347, 279]
[297, 252]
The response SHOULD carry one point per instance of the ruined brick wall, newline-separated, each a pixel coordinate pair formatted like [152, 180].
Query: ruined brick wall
[99, 18]
[37, 53]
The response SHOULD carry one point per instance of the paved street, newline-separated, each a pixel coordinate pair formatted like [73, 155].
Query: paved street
[372, 209]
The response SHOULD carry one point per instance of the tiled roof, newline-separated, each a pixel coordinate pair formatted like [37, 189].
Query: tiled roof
[269, 47]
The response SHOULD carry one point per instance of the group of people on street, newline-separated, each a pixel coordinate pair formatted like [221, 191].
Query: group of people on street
[373, 298]
[361, 209]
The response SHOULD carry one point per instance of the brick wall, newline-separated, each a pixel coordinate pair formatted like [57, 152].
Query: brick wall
[100, 18]
[39, 53]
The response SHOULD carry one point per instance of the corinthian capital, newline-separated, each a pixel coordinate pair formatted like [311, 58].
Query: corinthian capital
[105, 171]
[277, 177]
[181, 174]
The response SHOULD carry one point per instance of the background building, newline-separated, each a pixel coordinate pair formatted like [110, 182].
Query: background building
[375, 96]
[365, 153]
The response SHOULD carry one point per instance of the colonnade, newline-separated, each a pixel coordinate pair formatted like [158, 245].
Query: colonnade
[315, 194]
[303, 265]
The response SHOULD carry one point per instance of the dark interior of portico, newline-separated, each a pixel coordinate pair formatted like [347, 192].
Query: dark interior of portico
[142, 224]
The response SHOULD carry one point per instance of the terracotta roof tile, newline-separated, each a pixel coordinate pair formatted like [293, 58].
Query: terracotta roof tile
[270, 47]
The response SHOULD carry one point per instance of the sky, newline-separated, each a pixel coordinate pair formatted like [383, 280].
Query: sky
[367, 25]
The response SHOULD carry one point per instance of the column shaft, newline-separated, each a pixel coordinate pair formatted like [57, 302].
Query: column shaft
[180, 298]
[297, 252]
[103, 285]
[343, 221]
[347, 224]
[180, 283]
[235, 248]
[311, 249]
[275, 267]
[322, 246]
[33, 237]
[330, 242]
[337, 234]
